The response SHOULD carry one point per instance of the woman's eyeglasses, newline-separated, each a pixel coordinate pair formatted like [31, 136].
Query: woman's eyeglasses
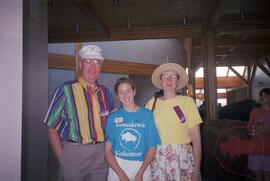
[169, 77]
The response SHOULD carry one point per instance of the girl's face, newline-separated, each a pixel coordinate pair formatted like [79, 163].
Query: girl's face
[126, 94]
[169, 80]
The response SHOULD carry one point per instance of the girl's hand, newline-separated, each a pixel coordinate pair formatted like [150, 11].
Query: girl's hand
[139, 176]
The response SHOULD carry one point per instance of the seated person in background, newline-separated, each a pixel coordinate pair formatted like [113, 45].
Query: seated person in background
[132, 137]
[259, 124]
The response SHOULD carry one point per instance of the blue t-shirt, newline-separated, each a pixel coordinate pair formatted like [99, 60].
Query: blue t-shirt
[132, 133]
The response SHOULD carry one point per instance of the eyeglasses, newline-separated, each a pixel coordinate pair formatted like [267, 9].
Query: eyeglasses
[95, 61]
[169, 77]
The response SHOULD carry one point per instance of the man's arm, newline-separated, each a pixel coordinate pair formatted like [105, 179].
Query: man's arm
[197, 151]
[111, 160]
[148, 158]
[55, 142]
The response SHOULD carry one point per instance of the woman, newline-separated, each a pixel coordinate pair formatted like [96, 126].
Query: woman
[259, 124]
[177, 120]
[132, 137]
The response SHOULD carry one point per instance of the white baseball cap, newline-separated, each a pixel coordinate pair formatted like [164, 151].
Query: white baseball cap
[91, 51]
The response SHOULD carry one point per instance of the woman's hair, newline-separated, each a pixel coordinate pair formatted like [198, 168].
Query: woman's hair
[266, 91]
[124, 80]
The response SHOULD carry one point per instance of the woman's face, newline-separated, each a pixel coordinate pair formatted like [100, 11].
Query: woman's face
[169, 80]
[126, 94]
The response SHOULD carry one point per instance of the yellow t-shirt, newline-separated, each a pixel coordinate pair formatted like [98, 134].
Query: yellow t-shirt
[171, 128]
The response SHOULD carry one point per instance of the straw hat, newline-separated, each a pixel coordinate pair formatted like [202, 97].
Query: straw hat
[183, 80]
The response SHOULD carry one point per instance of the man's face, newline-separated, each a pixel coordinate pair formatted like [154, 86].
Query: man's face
[90, 69]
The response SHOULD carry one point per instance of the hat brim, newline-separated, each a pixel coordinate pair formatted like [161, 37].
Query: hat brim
[183, 80]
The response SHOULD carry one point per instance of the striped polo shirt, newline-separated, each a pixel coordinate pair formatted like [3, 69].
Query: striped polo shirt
[78, 114]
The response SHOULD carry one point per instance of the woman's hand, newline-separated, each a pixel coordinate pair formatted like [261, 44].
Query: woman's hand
[196, 177]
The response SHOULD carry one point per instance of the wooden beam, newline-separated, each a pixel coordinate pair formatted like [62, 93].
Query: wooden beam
[90, 13]
[124, 67]
[258, 40]
[219, 95]
[210, 79]
[216, 15]
[187, 56]
[238, 52]
[77, 47]
[178, 31]
[222, 82]
[253, 73]
[250, 28]
[264, 69]
[67, 62]
[58, 61]
[267, 62]
[238, 75]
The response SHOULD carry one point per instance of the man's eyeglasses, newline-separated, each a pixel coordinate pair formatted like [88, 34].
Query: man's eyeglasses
[169, 77]
[95, 61]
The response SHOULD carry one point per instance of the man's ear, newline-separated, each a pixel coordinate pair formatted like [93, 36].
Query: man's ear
[134, 92]
[80, 64]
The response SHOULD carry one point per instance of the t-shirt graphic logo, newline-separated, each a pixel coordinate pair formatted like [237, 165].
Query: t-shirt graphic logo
[129, 139]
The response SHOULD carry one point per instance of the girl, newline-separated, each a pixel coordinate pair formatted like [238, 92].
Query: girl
[132, 137]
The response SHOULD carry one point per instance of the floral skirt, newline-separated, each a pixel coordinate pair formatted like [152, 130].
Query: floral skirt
[172, 162]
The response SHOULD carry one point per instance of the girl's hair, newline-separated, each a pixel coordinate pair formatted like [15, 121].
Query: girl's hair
[266, 91]
[124, 80]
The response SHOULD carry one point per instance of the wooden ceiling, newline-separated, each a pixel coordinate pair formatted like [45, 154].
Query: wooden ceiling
[242, 27]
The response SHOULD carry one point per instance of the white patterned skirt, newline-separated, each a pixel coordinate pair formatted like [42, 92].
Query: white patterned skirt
[172, 162]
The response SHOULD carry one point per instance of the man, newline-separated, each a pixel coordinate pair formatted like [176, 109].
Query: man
[76, 121]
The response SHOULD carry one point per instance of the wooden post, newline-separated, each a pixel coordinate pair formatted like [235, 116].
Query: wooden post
[77, 47]
[189, 63]
[210, 79]
[249, 73]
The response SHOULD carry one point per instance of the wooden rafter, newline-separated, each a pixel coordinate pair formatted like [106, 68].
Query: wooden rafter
[261, 66]
[239, 52]
[252, 74]
[249, 28]
[238, 75]
[59, 61]
[219, 95]
[67, 62]
[222, 82]
[89, 12]
[267, 61]
[216, 15]
[135, 33]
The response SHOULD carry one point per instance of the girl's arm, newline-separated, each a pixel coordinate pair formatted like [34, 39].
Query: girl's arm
[148, 158]
[111, 160]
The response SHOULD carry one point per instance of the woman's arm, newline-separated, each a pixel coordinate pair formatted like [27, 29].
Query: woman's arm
[111, 160]
[197, 151]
